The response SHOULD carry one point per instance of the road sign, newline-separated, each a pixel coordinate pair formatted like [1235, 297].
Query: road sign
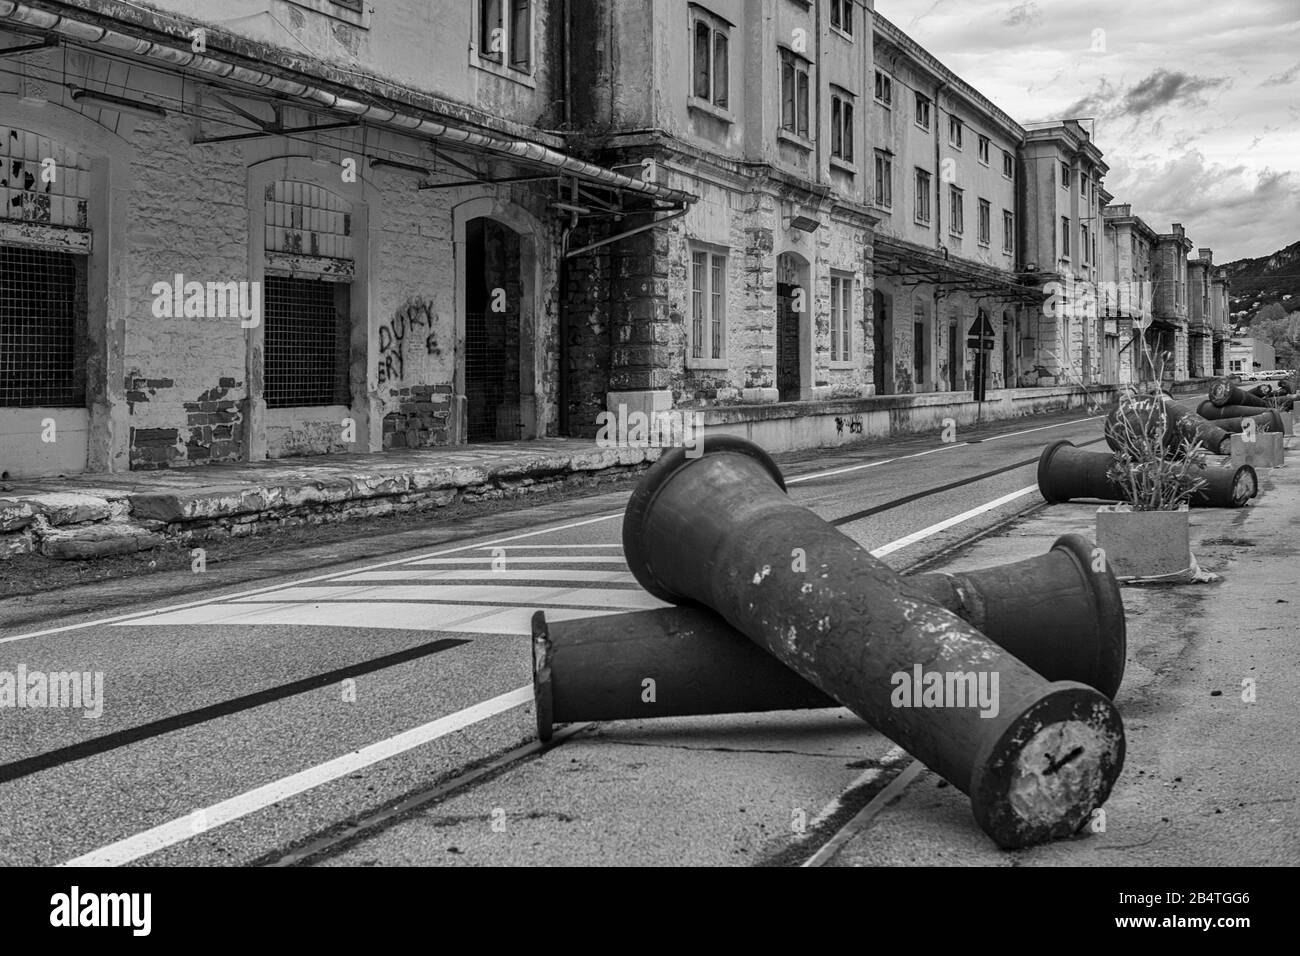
[984, 344]
[980, 334]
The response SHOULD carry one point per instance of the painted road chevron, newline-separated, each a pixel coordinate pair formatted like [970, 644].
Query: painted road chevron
[489, 590]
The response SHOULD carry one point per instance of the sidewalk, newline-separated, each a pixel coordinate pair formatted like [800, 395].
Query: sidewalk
[87, 516]
[1210, 778]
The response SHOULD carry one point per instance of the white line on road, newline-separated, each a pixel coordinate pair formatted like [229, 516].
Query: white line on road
[190, 825]
[322, 577]
[947, 523]
[960, 444]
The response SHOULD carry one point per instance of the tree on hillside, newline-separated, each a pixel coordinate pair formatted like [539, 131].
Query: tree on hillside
[1280, 331]
[1270, 313]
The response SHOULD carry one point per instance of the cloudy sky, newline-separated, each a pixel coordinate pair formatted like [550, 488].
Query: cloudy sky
[1197, 104]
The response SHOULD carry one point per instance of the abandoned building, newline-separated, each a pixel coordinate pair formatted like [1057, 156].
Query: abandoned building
[328, 227]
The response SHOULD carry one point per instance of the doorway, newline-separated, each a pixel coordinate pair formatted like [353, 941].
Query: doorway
[793, 300]
[954, 370]
[492, 332]
[882, 327]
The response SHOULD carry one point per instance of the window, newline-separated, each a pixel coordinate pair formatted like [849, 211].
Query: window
[884, 89]
[708, 304]
[983, 147]
[1065, 175]
[1083, 248]
[922, 111]
[506, 30]
[1094, 249]
[1008, 231]
[842, 15]
[794, 94]
[842, 126]
[710, 60]
[42, 328]
[985, 223]
[956, 217]
[841, 309]
[306, 348]
[884, 179]
[1008, 165]
[954, 132]
[922, 197]
[1065, 237]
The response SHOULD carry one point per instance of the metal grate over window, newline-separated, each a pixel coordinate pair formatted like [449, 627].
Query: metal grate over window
[42, 328]
[306, 342]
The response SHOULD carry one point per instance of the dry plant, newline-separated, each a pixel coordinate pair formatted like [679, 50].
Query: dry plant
[1154, 465]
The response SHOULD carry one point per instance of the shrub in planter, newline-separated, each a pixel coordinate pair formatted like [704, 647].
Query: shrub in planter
[1146, 537]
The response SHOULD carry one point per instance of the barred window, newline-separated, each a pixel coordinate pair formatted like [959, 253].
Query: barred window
[708, 304]
[42, 328]
[841, 309]
[307, 347]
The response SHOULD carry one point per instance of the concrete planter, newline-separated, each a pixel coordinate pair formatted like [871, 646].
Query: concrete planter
[1144, 544]
[1266, 451]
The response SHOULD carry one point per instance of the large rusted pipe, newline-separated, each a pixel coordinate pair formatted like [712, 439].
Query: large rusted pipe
[1066, 473]
[1142, 414]
[1224, 392]
[718, 530]
[1269, 421]
[676, 661]
[1215, 413]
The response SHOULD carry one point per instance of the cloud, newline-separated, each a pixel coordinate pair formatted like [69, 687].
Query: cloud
[1164, 87]
[1231, 208]
[1026, 13]
[1282, 79]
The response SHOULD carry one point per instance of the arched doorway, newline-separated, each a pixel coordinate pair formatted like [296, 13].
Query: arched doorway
[793, 327]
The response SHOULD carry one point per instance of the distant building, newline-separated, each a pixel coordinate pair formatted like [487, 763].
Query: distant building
[1247, 354]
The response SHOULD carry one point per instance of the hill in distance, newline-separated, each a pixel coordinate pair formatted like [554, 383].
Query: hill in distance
[1256, 283]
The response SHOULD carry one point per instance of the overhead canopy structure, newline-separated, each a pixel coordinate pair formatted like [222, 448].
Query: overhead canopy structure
[917, 265]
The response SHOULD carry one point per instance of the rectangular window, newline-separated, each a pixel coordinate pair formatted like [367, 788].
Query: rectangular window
[506, 31]
[307, 342]
[1008, 165]
[922, 111]
[923, 197]
[884, 179]
[1065, 237]
[842, 15]
[1008, 231]
[985, 223]
[1065, 175]
[884, 89]
[1083, 248]
[42, 329]
[841, 309]
[956, 217]
[842, 127]
[983, 146]
[794, 94]
[954, 132]
[710, 60]
[708, 304]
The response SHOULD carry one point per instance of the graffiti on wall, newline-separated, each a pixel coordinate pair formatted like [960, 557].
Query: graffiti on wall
[414, 318]
[853, 423]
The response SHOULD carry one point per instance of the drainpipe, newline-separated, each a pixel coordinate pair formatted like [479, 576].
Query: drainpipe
[562, 313]
[938, 223]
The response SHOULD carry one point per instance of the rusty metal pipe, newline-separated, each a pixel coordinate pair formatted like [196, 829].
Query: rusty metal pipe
[1269, 421]
[1224, 392]
[688, 661]
[1179, 424]
[718, 530]
[1066, 473]
[1214, 413]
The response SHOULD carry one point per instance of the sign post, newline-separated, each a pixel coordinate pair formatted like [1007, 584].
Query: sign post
[980, 338]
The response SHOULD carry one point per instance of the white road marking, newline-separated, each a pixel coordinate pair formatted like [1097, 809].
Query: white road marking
[482, 574]
[547, 547]
[183, 828]
[509, 559]
[921, 454]
[397, 562]
[947, 523]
